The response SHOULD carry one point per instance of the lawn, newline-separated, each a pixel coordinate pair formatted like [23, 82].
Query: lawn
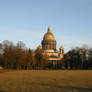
[46, 81]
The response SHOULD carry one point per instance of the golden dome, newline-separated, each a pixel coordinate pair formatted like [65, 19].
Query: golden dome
[49, 35]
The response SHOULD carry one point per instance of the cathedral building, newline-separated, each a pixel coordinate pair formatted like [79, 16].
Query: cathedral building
[49, 48]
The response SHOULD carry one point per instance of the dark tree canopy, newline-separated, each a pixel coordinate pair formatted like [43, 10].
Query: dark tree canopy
[20, 57]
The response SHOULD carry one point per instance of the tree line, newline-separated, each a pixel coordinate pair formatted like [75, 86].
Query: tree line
[20, 57]
[78, 58]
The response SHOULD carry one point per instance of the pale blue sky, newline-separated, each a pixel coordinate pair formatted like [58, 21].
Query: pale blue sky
[27, 20]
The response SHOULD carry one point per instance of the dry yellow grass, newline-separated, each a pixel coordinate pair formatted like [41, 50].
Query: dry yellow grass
[46, 81]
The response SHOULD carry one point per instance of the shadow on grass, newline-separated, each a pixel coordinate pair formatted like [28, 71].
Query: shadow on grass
[2, 91]
[70, 88]
[66, 87]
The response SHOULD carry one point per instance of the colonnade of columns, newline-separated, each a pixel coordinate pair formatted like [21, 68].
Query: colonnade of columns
[55, 64]
[49, 46]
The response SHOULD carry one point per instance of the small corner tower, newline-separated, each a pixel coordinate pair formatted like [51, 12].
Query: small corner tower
[61, 51]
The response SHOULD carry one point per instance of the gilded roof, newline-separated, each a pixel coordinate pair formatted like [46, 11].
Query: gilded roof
[49, 35]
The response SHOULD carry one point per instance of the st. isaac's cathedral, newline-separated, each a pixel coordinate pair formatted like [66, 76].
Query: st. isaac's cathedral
[48, 47]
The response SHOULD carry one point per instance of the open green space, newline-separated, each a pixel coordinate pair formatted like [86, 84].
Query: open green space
[46, 81]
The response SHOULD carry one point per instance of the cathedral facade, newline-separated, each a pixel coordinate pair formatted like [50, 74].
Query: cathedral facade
[49, 48]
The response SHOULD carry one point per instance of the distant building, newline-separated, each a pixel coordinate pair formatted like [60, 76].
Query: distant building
[49, 49]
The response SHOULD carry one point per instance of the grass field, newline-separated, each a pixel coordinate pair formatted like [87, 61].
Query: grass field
[46, 81]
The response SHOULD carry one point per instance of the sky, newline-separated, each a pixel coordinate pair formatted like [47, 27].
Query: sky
[28, 20]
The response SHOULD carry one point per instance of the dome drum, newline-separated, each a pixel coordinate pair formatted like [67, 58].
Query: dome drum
[49, 47]
[48, 42]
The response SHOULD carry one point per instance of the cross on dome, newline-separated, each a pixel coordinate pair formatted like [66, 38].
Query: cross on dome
[48, 29]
